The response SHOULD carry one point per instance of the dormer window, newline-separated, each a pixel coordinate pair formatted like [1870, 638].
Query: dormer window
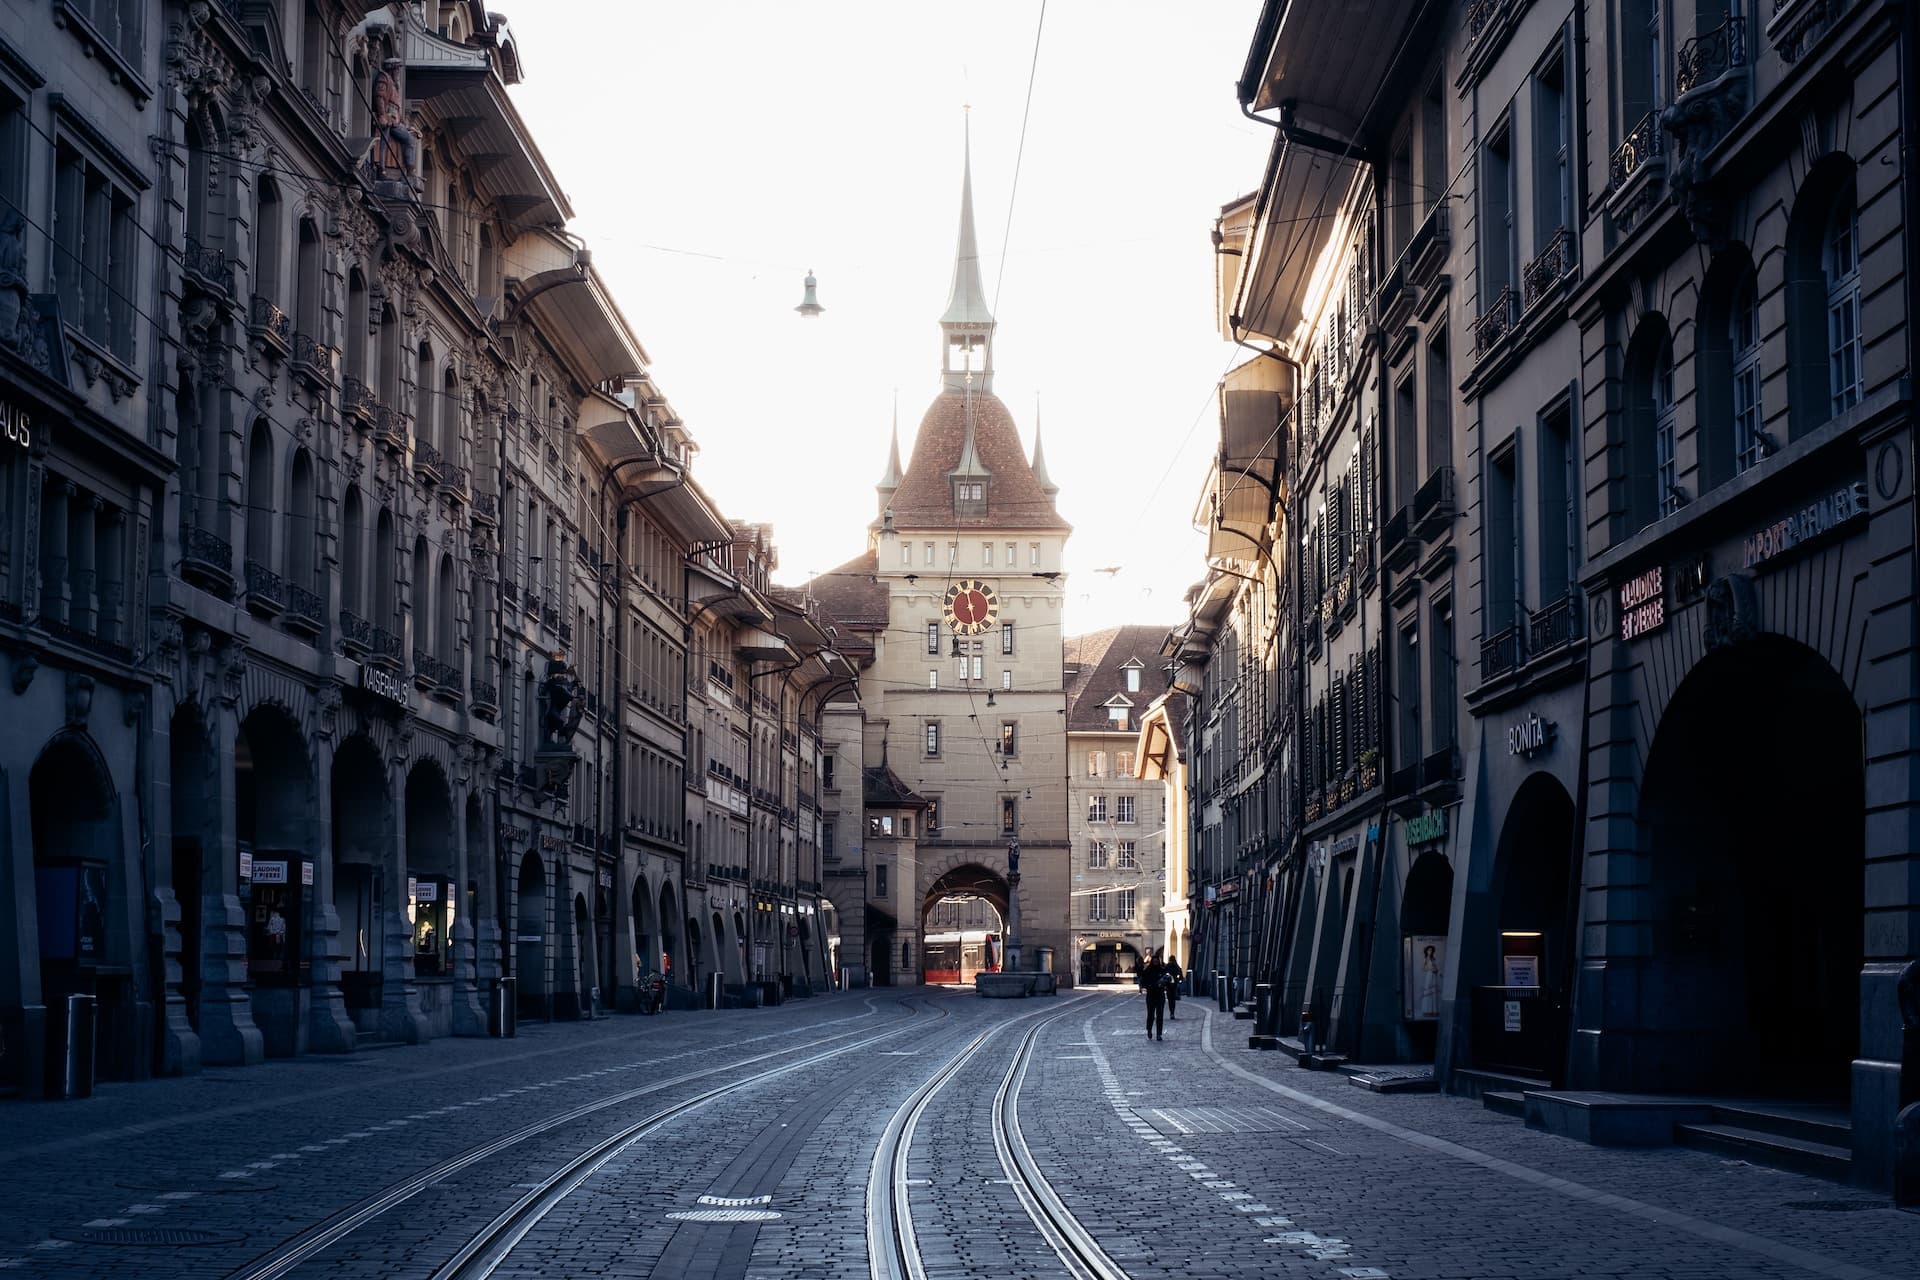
[970, 497]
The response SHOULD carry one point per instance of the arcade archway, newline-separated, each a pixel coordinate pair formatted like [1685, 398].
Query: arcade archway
[430, 873]
[274, 822]
[530, 937]
[1753, 816]
[363, 834]
[672, 960]
[646, 935]
[75, 820]
[1109, 960]
[1519, 955]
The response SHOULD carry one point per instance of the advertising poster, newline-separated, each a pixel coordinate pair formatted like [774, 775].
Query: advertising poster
[1425, 961]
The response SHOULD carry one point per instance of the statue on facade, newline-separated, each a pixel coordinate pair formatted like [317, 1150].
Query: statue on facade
[396, 147]
[561, 706]
[19, 321]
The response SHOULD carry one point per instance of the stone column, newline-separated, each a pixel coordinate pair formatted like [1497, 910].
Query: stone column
[469, 1015]
[228, 1035]
[179, 1052]
[482, 864]
[330, 1028]
[401, 1017]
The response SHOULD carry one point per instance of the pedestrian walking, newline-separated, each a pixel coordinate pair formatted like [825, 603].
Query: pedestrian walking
[1153, 982]
[1174, 976]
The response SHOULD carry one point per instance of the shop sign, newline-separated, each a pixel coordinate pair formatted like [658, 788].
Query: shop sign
[269, 872]
[606, 878]
[426, 891]
[554, 844]
[16, 424]
[1530, 737]
[1520, 971]
[383, 684]
[1512, 1016]
[306, 873]
[246, 865]
[1643, 603]
[1427, 828]
[1346, 844]
[1812, 521]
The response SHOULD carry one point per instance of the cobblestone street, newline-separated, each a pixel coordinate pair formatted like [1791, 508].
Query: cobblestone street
[748, 1143]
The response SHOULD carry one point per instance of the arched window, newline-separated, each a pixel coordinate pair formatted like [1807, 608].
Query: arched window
[1645, 465]
[1665, 432]
[306, 282]
[422, 596]
[266, 240]
[478, 625]
[483, 287]
[390, 357]
[423, 389]
[1743, 342]
[358, 324]
[450, 414]
[259, 499]
[300, 523]
[444, 618]
[1840, 264]
[353, 551]
[386, 599]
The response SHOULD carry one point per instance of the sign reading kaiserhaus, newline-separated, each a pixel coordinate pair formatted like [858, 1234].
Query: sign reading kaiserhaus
[382, 683]
[16, 425]
[1806, 524]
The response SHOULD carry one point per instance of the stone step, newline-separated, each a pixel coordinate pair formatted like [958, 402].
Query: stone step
[1506, 1102]
[1775, 1150]
[1827, 1126]
[1263, 1042]
[1476, 1081]
[1243, 1011]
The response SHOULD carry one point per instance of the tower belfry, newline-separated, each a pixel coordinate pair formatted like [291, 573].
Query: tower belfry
[967, 324]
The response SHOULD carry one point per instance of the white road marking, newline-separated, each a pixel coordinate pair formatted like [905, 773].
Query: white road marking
[106, 1222]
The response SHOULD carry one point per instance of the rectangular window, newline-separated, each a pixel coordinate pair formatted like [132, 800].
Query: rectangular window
[13, 151]
[1504, 605]
[1129, 860]
[906, 827]
[1559, 516]
[1406, 444]
[986, 554]
[1497, 247]
[1445, 731]
[1097, 905]
[1006, 637]
[953, 553]
[1408, 695]
[933, 738]
[933, 637]
[1013, 554]
[1009, 815]
[977, 661]
[1097, 855]
[1433, 145]
[929, 559]
[94, 239]
[1096, 808]
[1009, 738]
[829, 849]
[1401, 192]
[1033, 554]
[826, 771]
[933, 679]
[1133, 679]
[1006, 679]
[906, 555]
[1123, 808]
[1125, 906]
[1439, 405]
[1552, 164]
[880, 879]
[933, 815]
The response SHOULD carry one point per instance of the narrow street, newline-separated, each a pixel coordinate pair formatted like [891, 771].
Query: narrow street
[908, 1132]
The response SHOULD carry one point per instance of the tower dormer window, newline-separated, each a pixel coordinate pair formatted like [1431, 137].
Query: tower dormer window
[969, 497]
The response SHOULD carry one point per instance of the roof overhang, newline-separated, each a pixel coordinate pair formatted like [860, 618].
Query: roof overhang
[470, 102]
[552, 281]
[756, 644]
[1301, 213]
[1327, 61]
[721, 593]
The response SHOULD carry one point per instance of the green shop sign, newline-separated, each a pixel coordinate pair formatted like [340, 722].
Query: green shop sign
[1427, 828]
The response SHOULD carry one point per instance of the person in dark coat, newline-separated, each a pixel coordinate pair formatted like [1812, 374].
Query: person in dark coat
[1153, 982]
[1174, 975]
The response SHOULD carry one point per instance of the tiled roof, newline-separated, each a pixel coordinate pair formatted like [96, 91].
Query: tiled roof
[882, 786]
[1015, 498]
[852, 595]
[1098, 666]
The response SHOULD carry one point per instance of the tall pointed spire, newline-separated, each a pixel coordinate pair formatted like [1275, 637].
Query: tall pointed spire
[890, 482]
[1047, 485]
[967, 324]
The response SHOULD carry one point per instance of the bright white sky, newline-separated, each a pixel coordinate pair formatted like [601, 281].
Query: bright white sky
[714, 151]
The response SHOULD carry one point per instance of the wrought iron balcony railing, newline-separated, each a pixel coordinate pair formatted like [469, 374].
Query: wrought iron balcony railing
[209, 267]
[356, 633]
[266, 590]
[385, 648]
[1502, 652]
[1641, 145]
[427, 462]
[357, 403]
[306, 611]
[1496, 322]
[313, 360]
[1710, 55]
[1549, 266]
[207, 559]
[269, 324]
[1554, 627]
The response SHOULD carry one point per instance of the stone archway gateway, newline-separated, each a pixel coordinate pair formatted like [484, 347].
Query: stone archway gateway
[950, 952]
[1752, 815]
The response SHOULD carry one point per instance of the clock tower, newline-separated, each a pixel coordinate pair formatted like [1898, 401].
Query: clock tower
[963, 595]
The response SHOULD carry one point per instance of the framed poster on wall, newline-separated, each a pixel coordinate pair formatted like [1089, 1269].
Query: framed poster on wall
[1424, 961]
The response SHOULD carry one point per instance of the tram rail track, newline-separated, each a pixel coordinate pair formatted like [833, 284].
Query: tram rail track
[892, 1241]
[479, 1257]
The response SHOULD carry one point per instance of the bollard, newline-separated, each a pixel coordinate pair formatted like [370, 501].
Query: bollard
[1266, 1013]
[70, 1053]
[716, 991]
[502, 1016]
[1306, 1031]
[1220, 983]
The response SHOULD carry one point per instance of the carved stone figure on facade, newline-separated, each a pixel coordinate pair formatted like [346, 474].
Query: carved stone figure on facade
[396, 147]
[19, 319]
[561, 706]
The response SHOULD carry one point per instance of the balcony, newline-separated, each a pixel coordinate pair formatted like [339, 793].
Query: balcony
[1502, 652]
[207, 268]
[1634, 172]
[549, 616]
[1427, 252]
[389, 427]
[306, 611]
[207, 561]
[266, 591]
[509, 592]
[1433, 504]
[384, 649]
[93, 641]
[313, 362]
[457, 483]
[356, 634]
[1554, 627]
[427, 463]
[1548, 268]
[1404, 782]
[357, 404]
[486, 512]
[1493, 325]
[1707, 57]
[1398, 547]
[1712, 90]
[485, 700]
[1440, 775]
[268, 325]
[566, 632]
[430, 672]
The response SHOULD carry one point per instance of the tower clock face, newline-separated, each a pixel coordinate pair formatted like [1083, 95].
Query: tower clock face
[972, 607]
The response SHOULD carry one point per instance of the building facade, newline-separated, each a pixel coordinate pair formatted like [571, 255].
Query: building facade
[1636, 303]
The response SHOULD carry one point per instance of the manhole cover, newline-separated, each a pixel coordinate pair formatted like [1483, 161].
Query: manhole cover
[724, 1215]
[167, 1237]
[1836, 1206]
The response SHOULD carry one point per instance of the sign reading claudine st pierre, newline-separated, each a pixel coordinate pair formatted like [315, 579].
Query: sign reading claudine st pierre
[1643, 603]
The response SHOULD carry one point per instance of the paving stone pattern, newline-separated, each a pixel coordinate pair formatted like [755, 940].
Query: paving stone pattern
[1188, 1157]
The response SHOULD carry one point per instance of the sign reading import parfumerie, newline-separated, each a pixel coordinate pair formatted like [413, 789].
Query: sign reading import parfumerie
[1808, 523]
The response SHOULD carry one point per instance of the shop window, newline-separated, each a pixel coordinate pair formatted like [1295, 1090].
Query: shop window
[431, 910]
